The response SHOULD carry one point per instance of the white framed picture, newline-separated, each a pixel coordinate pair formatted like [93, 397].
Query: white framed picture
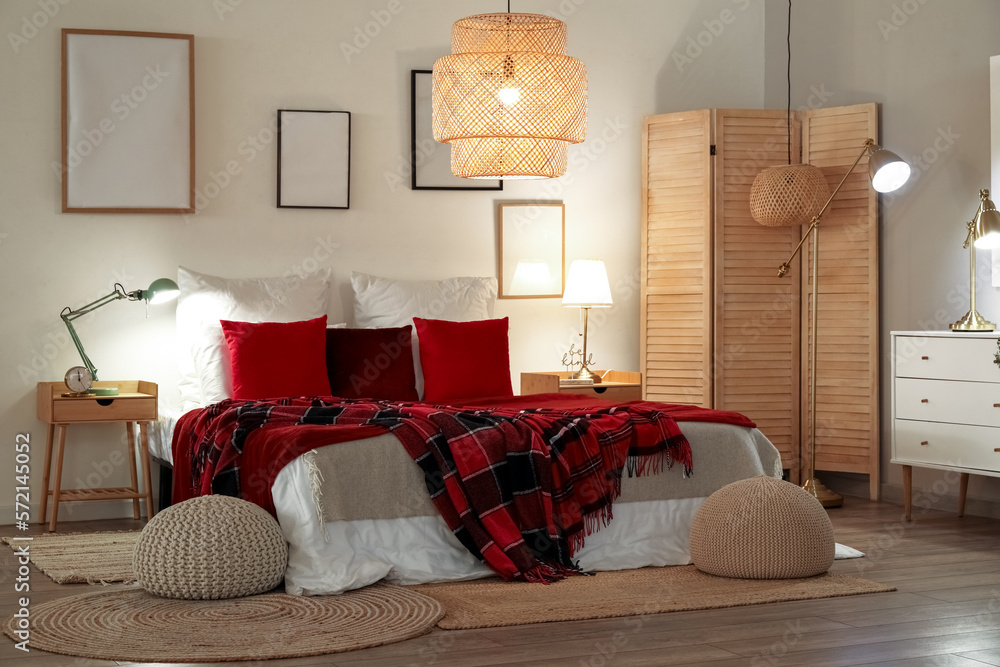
[127, 122]
[314, 159]
[531, 256]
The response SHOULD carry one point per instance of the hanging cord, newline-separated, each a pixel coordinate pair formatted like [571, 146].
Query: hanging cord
[788, 80]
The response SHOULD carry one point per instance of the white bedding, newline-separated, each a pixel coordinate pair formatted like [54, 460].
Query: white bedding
[336, 556]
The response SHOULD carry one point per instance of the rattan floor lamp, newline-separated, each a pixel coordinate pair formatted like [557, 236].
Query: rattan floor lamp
[887, 173]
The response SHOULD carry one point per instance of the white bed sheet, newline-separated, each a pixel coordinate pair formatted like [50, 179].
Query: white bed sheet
[337, 556]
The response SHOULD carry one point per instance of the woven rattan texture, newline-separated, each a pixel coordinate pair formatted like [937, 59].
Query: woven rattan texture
[508, 32]
[508, 99]
[210, 548]
[788, 194]
[762, 528]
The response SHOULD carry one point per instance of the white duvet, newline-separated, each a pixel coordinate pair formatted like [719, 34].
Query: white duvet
[336, 556]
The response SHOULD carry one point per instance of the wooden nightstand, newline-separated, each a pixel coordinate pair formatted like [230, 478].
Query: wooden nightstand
[135, 402]
[617, 385]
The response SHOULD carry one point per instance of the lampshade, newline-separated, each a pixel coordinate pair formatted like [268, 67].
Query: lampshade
[788, 194]
[509, 100]
[532, 277]
[887, 171]
[988, 226]
[160, 290]
[587, 285]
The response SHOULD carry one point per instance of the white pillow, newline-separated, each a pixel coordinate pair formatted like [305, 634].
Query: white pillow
[381, 302]
[204, 300]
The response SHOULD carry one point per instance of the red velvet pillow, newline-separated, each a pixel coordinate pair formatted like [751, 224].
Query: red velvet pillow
[276, 359]
[371, 363]
[464, 359]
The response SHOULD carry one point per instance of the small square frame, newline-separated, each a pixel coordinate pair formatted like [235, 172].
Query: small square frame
[314, 159]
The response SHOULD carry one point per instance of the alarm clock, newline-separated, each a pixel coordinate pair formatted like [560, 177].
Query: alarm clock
[79, 379]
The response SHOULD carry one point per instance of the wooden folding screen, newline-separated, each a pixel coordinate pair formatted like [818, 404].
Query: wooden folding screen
[719, 328]
[847, 405]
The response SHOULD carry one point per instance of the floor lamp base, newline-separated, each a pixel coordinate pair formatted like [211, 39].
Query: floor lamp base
[825, 496]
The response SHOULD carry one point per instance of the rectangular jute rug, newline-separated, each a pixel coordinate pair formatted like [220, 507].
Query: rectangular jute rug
[81, 558]
[490, 602]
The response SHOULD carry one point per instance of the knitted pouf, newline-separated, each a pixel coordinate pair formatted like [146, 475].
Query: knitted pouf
[210, 548]
[762, 528]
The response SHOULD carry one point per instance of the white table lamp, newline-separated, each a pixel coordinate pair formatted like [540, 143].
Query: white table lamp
[587, 287]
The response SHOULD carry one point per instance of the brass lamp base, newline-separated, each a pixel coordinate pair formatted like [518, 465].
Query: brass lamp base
[973, 321]
[825, 496]
[586, 374]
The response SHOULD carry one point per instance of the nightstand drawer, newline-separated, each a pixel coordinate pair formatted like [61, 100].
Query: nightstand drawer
[974, 403]
[951, 358]
[606, 393]
[954, 445]
[71, 410]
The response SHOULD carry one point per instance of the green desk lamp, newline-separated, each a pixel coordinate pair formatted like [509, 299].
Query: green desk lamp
[80, 379]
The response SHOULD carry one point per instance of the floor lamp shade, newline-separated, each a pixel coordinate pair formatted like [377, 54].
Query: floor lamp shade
[508, 99]
[886, 170]
[788, 194]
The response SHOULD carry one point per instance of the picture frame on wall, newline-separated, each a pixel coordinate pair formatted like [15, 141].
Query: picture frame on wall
[430, 161]
[531, 255]
[314, 159]
[127, 122]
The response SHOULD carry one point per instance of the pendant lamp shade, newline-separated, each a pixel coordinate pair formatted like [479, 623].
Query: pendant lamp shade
[508, 99]
[788, 194]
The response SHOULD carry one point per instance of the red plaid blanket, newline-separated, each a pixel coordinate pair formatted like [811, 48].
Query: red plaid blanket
[520, 488]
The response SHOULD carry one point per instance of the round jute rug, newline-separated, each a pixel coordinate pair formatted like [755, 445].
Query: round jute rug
[135, 626]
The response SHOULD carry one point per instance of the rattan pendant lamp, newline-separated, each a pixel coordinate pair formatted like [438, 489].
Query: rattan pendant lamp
[788, 194]
[508, 99]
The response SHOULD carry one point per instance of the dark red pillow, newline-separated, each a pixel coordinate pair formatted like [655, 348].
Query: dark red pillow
[464, 359]
[276, 359]
[371, 363]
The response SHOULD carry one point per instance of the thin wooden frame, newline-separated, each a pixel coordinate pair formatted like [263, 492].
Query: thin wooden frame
[531, 250]
[127, 122]
[314, 159]
[430, 161]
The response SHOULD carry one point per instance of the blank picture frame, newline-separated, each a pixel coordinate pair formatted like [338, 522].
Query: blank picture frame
[314, 159]
[430, 161]
[531, 250]
[127, 122]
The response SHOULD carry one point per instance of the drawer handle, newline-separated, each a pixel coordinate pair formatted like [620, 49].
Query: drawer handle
[996, 405]
[925, 358]
[997, 449]
[923, 400]
[924, 442]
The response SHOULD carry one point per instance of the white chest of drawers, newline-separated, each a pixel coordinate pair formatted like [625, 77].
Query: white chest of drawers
[945, 406]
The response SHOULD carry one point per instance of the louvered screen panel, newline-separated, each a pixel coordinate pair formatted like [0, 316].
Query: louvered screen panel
[675, 346]
[847, 393]
[756, 355]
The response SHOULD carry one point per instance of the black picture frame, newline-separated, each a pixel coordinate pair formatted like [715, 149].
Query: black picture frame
[314, 159]
[430, 161]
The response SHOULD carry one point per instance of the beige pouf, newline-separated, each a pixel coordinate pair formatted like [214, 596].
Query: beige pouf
[762, 528]
[210, 548]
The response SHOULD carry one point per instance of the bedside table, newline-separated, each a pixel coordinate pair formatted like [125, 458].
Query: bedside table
[617, 385]
[136, 402]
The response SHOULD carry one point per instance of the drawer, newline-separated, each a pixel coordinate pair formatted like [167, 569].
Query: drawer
[955, 445]
[606, 393]
[948, 401]
[70, 410]
[946, 358]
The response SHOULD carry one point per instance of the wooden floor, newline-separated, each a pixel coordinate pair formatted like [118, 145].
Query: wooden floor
[946, 613]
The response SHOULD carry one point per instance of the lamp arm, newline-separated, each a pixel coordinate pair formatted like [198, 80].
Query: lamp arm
[68, 315]
[783, 269]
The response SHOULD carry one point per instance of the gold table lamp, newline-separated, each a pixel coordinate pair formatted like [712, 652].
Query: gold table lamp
[587, 287]
[984, 232]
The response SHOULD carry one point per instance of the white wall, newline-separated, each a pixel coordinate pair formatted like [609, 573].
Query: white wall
[642, 57]
[927, 64]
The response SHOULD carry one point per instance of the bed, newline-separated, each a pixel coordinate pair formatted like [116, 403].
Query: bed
[345, 531]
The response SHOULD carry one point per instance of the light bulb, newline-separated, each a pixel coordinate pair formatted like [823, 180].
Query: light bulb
[509, 95]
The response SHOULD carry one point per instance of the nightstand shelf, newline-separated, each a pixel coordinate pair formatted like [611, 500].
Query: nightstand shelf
[136, 402]
[616, 386]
